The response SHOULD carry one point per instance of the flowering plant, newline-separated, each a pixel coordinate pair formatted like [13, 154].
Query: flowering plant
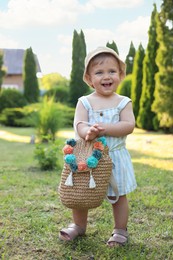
[91, 162]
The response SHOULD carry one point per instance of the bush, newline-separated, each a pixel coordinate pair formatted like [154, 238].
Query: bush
[10, 116]
[47, 155]
[28, 115]
[21, 117]
[124, 88]
[59, 93]
[11, 98]
[67, 115]
[48, 120]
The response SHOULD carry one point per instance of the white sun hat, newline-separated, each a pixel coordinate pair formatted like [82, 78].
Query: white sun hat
[99, 50]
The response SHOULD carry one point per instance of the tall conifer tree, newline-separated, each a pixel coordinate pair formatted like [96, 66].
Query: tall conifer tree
[136, 89]
[77, 86]
[31, 87]
[113, 46]
[146, 118]
[162, 104]
[130, 59]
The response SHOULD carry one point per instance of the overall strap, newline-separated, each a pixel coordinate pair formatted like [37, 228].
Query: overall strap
[123, 103]
[85, 103]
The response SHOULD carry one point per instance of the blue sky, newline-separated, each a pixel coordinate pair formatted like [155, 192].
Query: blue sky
[48, 25]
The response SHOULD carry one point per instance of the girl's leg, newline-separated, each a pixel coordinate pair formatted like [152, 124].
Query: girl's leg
[120, 213]
[80, 217]
[77, 228]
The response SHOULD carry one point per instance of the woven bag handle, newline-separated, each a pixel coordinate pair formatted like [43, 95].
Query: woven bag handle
[83, 122]
[115, 188]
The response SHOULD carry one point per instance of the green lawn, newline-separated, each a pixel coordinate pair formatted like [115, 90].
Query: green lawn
[31, 214]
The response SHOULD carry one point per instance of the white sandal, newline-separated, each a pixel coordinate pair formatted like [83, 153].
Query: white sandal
[119, 237]
[71, 232]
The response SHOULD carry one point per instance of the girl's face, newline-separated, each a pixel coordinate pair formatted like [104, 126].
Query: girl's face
[104, 75]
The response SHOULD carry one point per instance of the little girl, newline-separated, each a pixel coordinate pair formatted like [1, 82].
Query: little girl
[111, 115]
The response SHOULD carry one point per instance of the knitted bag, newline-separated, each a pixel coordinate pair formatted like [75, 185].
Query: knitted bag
[86, 173]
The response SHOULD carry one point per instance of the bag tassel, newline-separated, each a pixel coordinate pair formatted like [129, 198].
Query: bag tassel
[69, 180]
[92, 183]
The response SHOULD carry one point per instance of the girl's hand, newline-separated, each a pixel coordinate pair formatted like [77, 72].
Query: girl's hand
[93, 132]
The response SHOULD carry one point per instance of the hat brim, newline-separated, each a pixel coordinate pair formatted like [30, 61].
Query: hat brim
[99, 50]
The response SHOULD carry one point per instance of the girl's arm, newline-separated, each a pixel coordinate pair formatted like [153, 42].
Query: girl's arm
[84, 130]
[124, 127]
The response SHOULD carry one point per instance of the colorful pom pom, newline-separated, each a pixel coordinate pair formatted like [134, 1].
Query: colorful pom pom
[102, 139]
[82, 166]
[68, 149]
[98, 146]
[70, 158]
[92, 162]
[73, 167]
[97, 154]
[71, 142]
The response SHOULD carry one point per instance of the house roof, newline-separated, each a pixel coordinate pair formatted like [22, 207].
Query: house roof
[13, 61]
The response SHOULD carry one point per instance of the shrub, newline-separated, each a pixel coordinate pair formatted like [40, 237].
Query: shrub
[67, 115]
[28, 115]
[47, 155]
[10, 116]
[59, 93]
[48, 120]
[20, 117]
[11, 98]
[124, 88]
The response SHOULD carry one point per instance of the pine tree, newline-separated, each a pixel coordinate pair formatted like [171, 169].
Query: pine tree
[31, 87]
[2, 71]
[113, 46]
[163, 94]
[130, 59]
[137, 79]
[77, 86]
[147, 119]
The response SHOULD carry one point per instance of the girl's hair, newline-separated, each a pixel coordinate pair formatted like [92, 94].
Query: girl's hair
[99, 58]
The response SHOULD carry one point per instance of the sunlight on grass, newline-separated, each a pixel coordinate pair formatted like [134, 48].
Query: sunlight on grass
[156, 144]
[11, 137]
[66, 134]
[157, 163]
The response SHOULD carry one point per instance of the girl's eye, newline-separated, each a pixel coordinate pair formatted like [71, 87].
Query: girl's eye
[112, 71]
[98, 72]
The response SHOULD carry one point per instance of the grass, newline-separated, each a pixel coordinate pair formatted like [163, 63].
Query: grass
[31, 214]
